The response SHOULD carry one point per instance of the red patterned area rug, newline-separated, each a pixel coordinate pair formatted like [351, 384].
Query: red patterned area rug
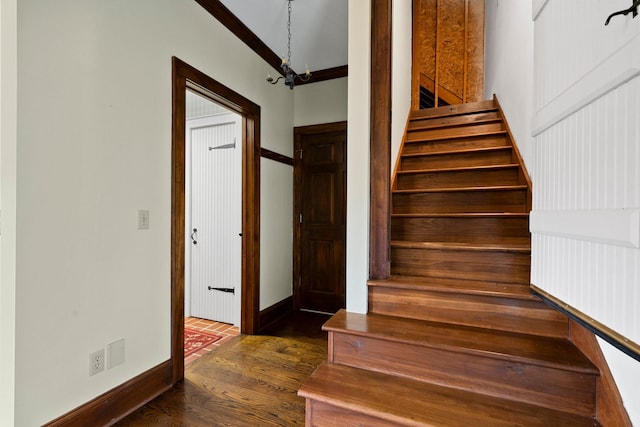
[195, 340]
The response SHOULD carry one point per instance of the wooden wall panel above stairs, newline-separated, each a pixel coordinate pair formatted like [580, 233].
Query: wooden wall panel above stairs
[454, 337]
[448, 51]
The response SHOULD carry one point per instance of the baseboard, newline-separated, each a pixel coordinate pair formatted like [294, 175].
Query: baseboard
[610, 408]
[119, 402]
[276, 312]
[622, 343]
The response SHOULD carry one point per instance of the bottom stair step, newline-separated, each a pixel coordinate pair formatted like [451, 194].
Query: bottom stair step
[342, 396]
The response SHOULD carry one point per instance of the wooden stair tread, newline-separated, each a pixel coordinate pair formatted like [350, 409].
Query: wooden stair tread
[414, 124]
[458, 286]
[456, 189]
[459, 169]
[463, 215]
[402, 401]
[449, 137]
[453, 246]
[534, 350]
[454, 110]
[467, 150]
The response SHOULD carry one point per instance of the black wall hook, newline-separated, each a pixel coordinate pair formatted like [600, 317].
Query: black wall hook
[633, 9]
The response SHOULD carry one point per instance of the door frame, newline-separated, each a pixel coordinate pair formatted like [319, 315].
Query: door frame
[298, 133]
[186, 77]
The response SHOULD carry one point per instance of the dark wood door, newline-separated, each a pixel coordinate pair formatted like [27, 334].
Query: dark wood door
[320, 241]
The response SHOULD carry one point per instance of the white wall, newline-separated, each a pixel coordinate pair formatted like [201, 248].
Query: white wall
[322, 102]
[401, 51]
[8, 107]
[509, 67]
[276, 232]
[358, 155]
[586, 207]
[94, 128]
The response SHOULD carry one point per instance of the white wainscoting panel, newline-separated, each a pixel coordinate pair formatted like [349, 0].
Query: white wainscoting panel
[585, 222]
[571, 40]
[620, 227]
[598, 279]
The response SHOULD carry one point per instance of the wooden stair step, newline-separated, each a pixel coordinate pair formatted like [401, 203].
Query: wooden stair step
[549, 372]
[540, 351]
[456, 158]
[342, 395]
[455, 120]
[461, 143]
[454, 110]
[452, 134]
[464, 247]
[454, 131]
[500, 263]
[490, 305]
[492, 175]
[465, 228]
[461, 200]
[458, 287]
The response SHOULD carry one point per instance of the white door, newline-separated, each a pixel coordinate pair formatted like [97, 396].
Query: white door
[215, 217]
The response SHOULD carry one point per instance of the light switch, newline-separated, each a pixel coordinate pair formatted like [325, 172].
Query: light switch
[143, 220]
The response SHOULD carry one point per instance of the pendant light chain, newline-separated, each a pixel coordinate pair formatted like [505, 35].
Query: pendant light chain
[289, 31]
[288, 74]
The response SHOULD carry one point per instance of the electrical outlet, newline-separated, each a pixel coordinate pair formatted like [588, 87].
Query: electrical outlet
[96, 362]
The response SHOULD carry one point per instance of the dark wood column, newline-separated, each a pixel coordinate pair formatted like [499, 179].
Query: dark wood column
[380, 143]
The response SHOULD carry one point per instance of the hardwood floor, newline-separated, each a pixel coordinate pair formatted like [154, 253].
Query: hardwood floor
[252, 380]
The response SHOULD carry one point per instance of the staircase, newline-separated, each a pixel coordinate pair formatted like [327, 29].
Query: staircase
[454, 336]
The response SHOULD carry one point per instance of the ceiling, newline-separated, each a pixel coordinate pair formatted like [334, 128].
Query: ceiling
[319, 29]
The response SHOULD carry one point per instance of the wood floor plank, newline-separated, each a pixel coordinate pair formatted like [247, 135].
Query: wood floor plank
[250, 381]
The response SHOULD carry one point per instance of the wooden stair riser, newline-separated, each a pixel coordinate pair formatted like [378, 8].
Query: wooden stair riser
[470, 201]
[501, 314]
[465, 119]
[462, 143]
[454, 132]
[484, 177]
[501, 155]
[508, 267]
[545, 386]
[321, 414]
[490, 229]
[454, 110]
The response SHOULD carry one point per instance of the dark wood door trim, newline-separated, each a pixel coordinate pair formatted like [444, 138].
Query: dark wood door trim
[298, 133]
[380, 142]
[185, 76]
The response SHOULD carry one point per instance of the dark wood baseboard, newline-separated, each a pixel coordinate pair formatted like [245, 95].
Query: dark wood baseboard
[582, 332]
[270, 315]
[119, 402]
[609, 406]
[619, 341]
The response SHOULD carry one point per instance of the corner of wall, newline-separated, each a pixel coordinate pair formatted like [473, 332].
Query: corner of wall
[8, 165]
[359, 89]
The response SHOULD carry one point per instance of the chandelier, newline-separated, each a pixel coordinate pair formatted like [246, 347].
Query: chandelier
[289, 75]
